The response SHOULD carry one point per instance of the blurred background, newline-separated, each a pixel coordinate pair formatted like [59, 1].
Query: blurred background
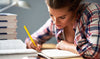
[33, 17]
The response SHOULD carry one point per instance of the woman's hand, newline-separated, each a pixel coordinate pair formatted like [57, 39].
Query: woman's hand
[30, 45]
[64, 45]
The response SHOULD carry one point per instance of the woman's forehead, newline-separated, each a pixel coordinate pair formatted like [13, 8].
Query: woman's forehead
[58, 11]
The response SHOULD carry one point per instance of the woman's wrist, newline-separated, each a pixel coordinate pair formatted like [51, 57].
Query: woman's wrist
[71, 47]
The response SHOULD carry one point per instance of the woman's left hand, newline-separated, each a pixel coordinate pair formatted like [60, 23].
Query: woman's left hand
[63, 45]
[68, 46]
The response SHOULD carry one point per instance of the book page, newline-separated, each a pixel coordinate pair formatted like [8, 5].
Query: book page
[18, 51]
[55, 53]
[14, 46]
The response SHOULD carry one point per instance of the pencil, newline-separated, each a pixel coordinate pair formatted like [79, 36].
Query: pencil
[29, 35]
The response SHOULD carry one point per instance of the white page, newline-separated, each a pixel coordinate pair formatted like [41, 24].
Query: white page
[55, 53]
[18, 51]
[4, 2]
[12, 44]
[14, 47]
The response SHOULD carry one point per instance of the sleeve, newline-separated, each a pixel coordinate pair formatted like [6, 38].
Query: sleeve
[44, 33]
[89, 44]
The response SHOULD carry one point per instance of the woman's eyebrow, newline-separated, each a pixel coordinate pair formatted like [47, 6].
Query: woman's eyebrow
[62, 16]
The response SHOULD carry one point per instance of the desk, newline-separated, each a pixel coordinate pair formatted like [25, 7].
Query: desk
[39, 57]
[29, 57]
[21, 56]
[24, 56]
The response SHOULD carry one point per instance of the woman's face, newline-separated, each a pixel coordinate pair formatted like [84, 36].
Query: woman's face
[61, 17]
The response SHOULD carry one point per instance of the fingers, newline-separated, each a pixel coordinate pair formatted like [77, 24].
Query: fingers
[38, 48]
[60, 45]
[30, 45]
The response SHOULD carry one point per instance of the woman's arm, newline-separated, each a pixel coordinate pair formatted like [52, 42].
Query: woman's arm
[41, 35]
[88, 45]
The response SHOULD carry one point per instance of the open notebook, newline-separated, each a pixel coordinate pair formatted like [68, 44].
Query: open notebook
[57, 54]
[15, 47]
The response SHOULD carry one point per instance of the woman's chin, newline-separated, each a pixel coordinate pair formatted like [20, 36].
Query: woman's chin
[59, 27]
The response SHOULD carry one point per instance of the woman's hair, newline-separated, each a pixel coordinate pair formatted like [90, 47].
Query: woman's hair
[57, 4]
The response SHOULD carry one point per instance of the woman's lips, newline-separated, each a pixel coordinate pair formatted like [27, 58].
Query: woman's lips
[58, 25]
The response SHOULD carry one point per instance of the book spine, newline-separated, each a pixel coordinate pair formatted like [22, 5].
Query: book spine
[7, 18]
[3, 26]
[3, 33]
[9, 36]
[3, 39]
[8, 24]
[3, 20]
[10, 20]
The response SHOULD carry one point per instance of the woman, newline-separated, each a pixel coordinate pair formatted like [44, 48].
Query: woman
[75, 25]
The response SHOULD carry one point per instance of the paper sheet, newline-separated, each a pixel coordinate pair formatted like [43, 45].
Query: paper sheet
[12, 44]
[14, 47]
[55, 53]
[18, 51]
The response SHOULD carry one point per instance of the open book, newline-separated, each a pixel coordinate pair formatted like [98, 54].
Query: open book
[15, 47]
[57, 54]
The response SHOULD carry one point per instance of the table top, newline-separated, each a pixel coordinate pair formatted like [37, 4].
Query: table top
[26, 56]
[29, 57]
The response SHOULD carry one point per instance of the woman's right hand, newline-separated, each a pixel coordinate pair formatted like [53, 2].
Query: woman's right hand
[30, 45]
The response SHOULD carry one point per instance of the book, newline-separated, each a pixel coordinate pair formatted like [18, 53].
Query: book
[6, 20]
[57, 54]
[8, 47]
[19, 56]
[5, 30]
[9, 32]
[17, 47]
[8, 24]
[3, 27]
[8, 16]
[7, 36]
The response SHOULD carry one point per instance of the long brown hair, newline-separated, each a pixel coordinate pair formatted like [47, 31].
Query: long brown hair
[57, 4]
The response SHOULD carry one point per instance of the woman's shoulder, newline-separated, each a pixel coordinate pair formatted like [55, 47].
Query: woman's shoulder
[90, 3]
[87, 10]
[91, 7]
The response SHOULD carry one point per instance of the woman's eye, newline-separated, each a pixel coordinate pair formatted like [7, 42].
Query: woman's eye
[62, 17]
[51, 15]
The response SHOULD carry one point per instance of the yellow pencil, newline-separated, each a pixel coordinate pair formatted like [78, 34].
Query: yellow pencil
[29, 36]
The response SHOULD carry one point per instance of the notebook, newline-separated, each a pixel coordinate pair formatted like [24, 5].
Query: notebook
[57, 54]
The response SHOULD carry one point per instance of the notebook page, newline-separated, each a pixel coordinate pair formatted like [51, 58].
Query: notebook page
[55, 53]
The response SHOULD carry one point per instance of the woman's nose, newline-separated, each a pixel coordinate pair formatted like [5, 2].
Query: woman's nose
[55, 20]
